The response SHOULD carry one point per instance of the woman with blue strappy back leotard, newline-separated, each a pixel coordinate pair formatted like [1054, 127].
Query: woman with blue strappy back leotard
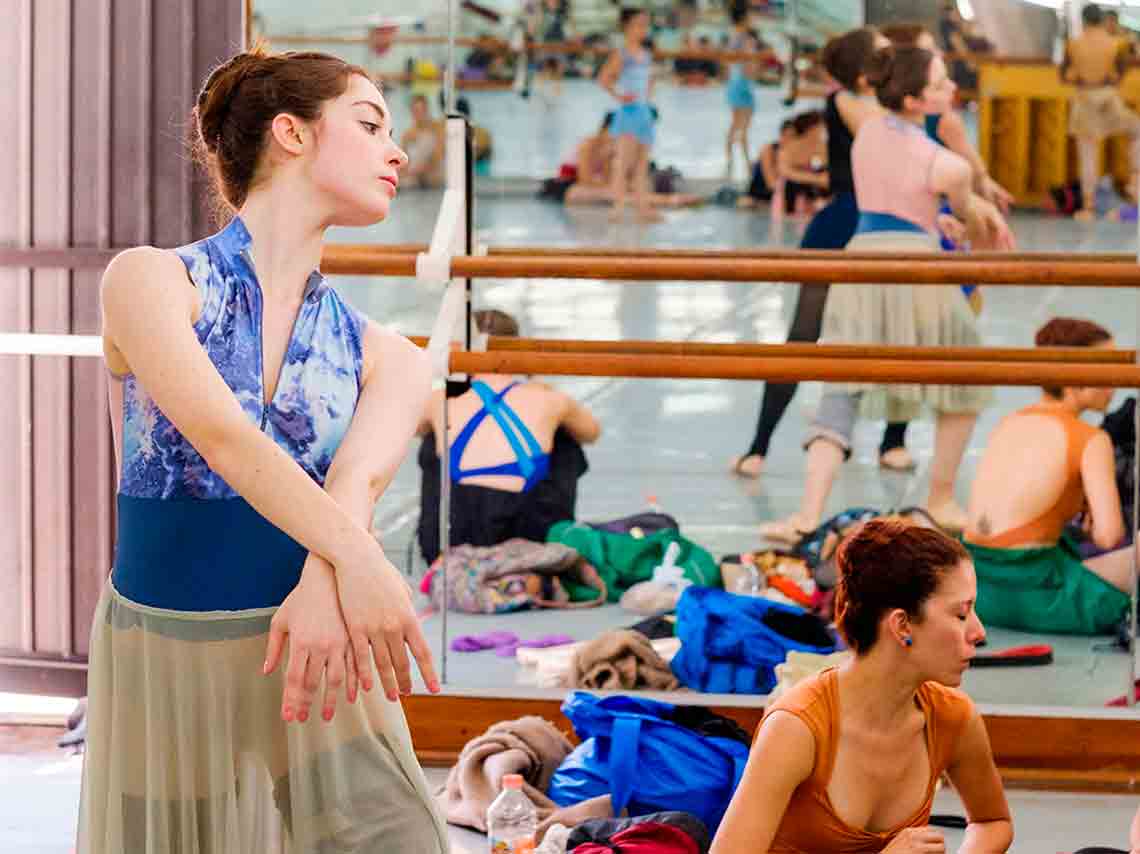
[513, 454]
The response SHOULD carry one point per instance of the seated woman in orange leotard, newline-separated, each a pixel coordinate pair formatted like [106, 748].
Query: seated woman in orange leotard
[848, 760]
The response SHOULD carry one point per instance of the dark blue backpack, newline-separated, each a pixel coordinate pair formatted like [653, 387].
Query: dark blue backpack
[731, 644]
[632, 750]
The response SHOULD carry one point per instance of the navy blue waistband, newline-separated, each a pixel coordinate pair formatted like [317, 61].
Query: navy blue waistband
[873, 221]
[190, 555]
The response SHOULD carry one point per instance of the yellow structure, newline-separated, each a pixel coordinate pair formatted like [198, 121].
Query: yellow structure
[1023, 125]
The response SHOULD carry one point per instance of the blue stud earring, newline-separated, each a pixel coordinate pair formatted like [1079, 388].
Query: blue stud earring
[908, 641]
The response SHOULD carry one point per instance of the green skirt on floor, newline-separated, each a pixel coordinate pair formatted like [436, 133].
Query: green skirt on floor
[1044, 590]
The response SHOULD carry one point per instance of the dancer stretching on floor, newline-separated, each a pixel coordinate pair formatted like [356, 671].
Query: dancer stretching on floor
[849, 759]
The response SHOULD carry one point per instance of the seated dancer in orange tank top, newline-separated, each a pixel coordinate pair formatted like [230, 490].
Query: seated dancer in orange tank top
[847, 761]
[1042, 467]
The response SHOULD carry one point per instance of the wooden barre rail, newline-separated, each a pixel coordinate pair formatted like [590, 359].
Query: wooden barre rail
[337, 252]
[796, 369]
[1028, 355]
[935, 271]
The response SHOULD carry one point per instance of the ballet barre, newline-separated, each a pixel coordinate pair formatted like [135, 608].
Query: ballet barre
[338, 252]
[786, 369]
[1029, 355]
[932, 271]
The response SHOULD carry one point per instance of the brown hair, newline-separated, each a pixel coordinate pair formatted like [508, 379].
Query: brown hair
[240, 99]
[1069, 332]
[903, 35]
[804, 122]
[845, 57]
[491, 321]
[886, 564]
[896, 72]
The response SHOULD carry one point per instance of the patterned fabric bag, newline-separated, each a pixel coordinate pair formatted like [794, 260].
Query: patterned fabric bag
[512, 576]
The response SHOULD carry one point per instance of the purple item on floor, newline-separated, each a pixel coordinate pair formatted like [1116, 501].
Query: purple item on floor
[490, 640]
[543, 642]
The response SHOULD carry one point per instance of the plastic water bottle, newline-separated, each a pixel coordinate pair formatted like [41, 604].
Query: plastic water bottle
[512, 821]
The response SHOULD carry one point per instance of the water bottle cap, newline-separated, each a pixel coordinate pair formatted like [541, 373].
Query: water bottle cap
[512, 781]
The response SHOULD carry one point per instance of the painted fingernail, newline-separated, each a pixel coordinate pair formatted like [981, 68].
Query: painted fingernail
[265, 667]
[304, 716]
[328, 713]
[434, 687]
[288, 713]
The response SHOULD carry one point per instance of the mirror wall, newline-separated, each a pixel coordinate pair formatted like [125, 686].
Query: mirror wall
[667, 444]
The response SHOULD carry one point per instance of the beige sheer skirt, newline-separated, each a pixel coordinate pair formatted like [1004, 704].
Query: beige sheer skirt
[904, 315]
[187, 752]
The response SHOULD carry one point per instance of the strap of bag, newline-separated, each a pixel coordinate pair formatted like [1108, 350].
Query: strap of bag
[624, 739]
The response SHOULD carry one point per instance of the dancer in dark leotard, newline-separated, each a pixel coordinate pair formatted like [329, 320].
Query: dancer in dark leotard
[831, 228]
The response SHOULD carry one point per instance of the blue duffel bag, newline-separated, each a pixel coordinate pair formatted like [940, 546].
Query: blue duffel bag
[731, 644]
[633, 751]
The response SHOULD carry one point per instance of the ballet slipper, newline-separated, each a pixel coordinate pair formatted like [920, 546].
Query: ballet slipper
[897, 460]
[749, 466]
[788, 531]
[949, 516]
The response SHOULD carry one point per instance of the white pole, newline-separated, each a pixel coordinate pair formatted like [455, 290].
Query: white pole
[449, 76]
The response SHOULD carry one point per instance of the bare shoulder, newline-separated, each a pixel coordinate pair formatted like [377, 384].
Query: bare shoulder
[144, 266]
[388, 353]
[143, 280]
[786, 739]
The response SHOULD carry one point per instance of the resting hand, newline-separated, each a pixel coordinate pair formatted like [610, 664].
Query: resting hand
[952, 228]
[996, 194]
[988, 227]
[311, 620]
[917, 840]
[377, 607]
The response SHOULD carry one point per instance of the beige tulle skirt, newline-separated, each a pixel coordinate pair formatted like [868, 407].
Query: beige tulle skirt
[904, 315]
[187, 752]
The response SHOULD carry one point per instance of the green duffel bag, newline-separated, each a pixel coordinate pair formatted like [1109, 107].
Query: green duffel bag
[623, 560]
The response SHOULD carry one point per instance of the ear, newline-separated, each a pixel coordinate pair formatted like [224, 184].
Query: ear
[898, 625]
[290, 133]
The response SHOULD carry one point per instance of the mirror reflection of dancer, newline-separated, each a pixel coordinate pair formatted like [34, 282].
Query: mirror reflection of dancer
[257, 419]
[1094, 63]
[739, 91]
[899, 197]
[627, 75]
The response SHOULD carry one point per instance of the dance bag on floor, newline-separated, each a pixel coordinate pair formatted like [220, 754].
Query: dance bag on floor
[624, 560]
[731, 644]
[633, 750]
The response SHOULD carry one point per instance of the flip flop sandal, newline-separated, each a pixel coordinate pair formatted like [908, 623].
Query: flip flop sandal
[1030, 655]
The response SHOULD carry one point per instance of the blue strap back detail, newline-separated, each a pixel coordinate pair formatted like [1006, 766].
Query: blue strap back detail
[532, 464]
[873, 221]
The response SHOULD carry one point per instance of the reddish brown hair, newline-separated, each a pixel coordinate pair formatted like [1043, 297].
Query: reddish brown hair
[896, 72]
[887, 564]
[240, 99]
[903, 35]
[1069, 332]
[845, 57]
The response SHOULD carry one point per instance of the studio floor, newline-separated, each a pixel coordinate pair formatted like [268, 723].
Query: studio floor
[40, 787]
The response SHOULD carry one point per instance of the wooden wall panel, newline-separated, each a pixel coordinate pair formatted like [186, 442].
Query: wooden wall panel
[51, 312]
[98, 95]
[15, 316]
[92, 468]
[131, 122]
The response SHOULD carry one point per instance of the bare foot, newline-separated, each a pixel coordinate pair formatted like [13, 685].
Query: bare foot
[789, 531]
[1084, 215]
[948, 516]
[649, 215]
[897, 459]
[749, 466]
